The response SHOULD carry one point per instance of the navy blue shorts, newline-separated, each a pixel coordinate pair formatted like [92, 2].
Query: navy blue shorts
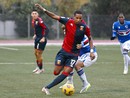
[64, 58]
[40, 45]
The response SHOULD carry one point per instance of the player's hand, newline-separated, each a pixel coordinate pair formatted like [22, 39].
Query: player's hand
[40, 7]
[63, 27]
[112, 38]
[42, 40]
[92, 56]
[78, 46]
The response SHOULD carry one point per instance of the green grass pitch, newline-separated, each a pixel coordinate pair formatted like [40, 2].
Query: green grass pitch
[18, 81]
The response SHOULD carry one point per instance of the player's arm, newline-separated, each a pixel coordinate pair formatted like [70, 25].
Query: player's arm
[113, 32]
[51, 14]
[92, 56]
[83, 43]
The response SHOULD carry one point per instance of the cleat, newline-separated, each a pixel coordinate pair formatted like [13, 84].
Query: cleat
[85, 88]
[39, 71]
[125, 72]
[46, 91]
[35, 70]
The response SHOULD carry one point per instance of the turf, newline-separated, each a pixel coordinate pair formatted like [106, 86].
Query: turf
[18, 81]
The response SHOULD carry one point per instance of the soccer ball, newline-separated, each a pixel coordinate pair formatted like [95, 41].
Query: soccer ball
[68, 89]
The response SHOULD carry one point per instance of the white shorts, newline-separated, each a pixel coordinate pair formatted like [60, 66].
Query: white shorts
[85, 58]
[125, 46]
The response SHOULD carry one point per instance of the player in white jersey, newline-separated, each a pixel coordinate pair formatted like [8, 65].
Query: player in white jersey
[84, 60]
[121, 30]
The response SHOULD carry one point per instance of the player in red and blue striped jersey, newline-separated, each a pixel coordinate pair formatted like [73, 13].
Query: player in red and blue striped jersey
[84, 60]
[121, 30]
[40, 34]
[68, 55]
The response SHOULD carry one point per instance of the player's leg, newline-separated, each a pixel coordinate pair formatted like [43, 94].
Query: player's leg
[125, 47]
[69, 79]
[39, 48]
[84, 61]
[62, 58]
[57, 80]
[82, 75]
[60, 78]
[38, 54]
[125, 63]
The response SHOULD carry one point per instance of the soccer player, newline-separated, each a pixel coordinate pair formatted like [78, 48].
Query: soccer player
[40, 33]
[68, 55]
[84, 60]
[121, 30]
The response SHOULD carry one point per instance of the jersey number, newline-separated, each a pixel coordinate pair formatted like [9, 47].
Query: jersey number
[72, 63]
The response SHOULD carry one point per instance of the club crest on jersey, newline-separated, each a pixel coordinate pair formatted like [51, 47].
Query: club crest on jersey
[58, 62]
[81, 28]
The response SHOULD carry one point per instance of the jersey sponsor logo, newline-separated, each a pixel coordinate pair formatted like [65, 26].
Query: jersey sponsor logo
[124, 33]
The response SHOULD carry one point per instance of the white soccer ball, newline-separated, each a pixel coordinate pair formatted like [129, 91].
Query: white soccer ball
[68, 89]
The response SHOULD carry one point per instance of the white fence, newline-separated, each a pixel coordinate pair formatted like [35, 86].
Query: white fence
[7, 29]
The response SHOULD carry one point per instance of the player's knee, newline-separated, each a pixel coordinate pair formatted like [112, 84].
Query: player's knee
[35, 54]
[56, 73]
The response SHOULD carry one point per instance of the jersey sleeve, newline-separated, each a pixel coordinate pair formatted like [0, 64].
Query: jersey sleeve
[114, 30]
[85, 41]
[128, 24]
[42, 24]
[63, 20]
[87, 31]
[45, 28]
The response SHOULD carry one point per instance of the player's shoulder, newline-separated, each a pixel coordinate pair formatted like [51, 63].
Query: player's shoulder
[62, 17]
[116, 23]
[70, 20]
[127, 22]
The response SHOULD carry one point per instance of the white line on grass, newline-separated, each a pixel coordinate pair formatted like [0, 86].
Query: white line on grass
[8, 63]
[7, 48]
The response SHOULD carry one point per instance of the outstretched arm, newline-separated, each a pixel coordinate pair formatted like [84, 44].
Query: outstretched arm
[52, 15]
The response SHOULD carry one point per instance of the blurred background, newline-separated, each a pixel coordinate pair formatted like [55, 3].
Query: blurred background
[15, 19]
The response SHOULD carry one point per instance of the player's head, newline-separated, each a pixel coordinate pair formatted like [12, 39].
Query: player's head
[121, 18]
[34, 14]
[77, 17]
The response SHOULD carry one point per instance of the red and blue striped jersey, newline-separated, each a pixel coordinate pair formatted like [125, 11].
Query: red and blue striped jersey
[74, 34]
[40, 29]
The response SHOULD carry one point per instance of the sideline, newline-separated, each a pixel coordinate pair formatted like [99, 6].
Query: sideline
[51, 42]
